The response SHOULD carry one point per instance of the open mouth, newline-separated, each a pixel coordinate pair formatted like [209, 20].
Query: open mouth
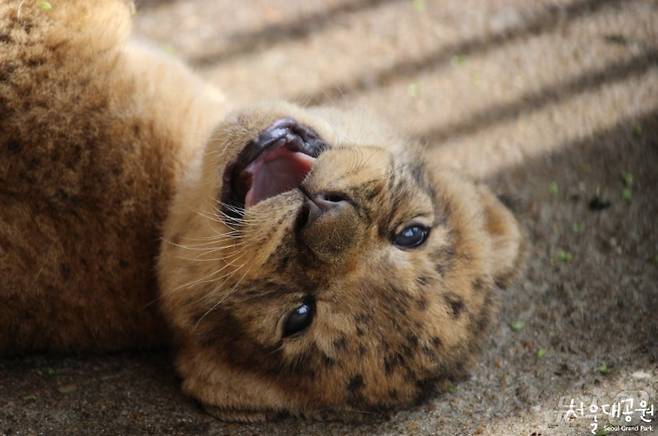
[278, 160]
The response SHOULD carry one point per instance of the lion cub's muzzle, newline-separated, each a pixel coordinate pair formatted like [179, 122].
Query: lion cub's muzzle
[329, 225]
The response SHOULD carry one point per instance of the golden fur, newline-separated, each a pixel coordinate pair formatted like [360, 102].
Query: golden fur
[109, 147]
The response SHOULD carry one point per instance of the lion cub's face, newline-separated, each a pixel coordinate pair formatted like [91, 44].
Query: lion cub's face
[312, 264]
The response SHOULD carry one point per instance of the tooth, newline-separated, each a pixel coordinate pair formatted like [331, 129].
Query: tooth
[294, 142]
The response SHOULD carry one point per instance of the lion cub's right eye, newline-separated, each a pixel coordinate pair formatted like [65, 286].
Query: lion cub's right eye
[300, 318]
[411, 236]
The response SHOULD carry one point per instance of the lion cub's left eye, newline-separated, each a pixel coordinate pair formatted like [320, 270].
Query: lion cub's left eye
[300, 318]
[411, 236]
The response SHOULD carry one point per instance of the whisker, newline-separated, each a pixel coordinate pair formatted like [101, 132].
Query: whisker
[199, 247]
[205, 279]
[231, 292]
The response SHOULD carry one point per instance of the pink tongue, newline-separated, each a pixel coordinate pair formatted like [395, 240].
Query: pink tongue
[276, 171]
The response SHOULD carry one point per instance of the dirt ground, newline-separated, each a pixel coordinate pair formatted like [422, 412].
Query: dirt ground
[552, 102]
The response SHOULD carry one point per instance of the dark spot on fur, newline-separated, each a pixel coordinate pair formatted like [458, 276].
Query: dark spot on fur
[444, 252]
[423, 280]
[359, 331]
[393, 394]
[426, 389]
[459, 370]
[501, 284]
[429, 352]
[340, 344]
[483, 318]
[412, 340]
[443, 258]
[370, 190]
[400, 298]
[281, 220]
[410, 375]
[392, 361]
[328, 361]
[436, 341]
[283, 263]
[389, 365]
[14, 146]
[355, 383]
[65, 271]
[35, 62]
[362, 350]
[421, 303]
[456, 304]
[5, 38]
[478, 284]
[33, 164]
[419, 174]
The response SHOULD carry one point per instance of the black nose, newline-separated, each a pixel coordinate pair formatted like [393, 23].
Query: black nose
[323, 203]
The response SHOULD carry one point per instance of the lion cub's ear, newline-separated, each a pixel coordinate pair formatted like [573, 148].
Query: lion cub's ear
[507, 241]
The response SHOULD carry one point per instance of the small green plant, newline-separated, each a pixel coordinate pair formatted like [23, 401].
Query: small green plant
[578, 227]
[413, 90]
[553, 188]
[541, 353]
[637, 130]
[169, 49]
[517, 326]
[458, 59]
[564, 256]
[603, 369]
[627, 192]
[44, 5]
[420, 5]
[628, 179]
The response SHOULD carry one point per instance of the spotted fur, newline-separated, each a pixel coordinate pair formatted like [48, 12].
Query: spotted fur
[391, 323]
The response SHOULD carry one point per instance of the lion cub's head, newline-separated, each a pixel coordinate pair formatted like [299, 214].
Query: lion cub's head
[314, 265]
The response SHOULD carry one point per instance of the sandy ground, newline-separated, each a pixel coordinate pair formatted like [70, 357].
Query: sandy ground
[553, 102]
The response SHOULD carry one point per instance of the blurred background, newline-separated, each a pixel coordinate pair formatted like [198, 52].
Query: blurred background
[553, 103]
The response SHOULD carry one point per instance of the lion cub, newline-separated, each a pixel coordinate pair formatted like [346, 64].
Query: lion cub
[308, 261]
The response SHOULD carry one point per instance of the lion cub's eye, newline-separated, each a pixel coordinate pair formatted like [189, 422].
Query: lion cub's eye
[300, 318]
[411, 236]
